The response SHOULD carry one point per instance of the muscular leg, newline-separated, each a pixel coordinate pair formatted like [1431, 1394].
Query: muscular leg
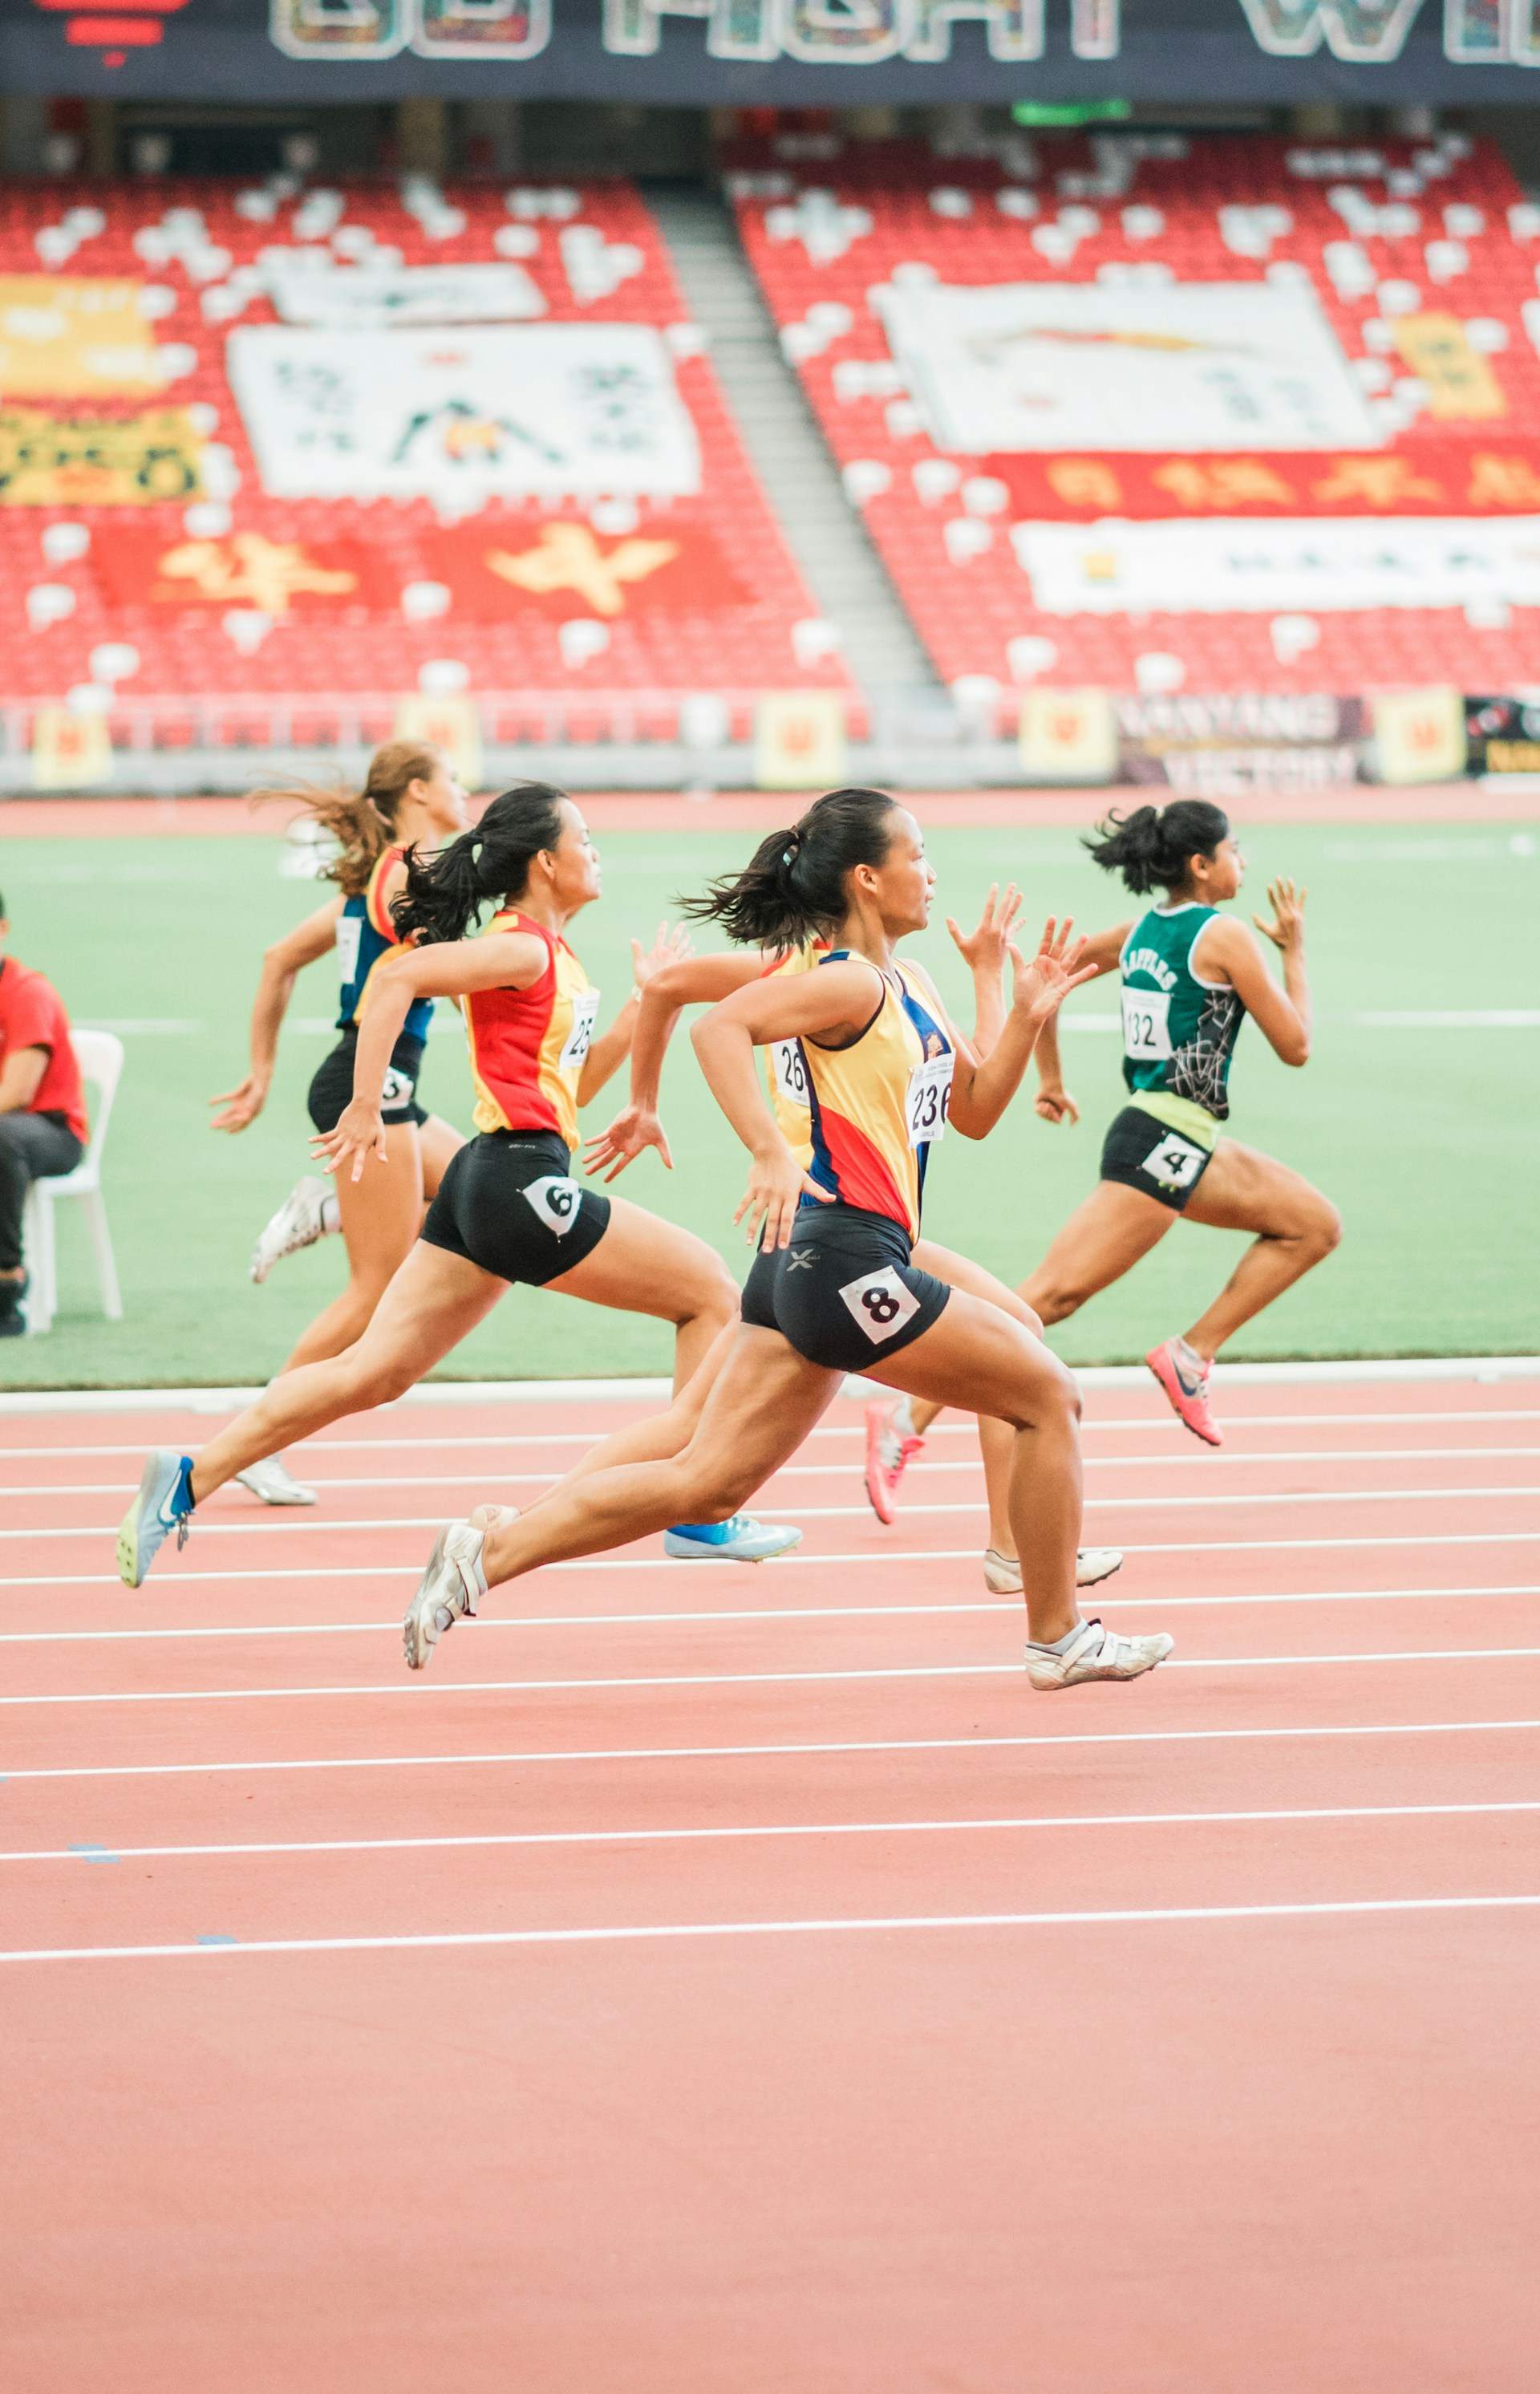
[381, 1216]
[1296, 1228]
[977, 1356]
[432, 1303]
[995, 1442]
[440, 1143]
[643, 1265]
[764, 1400]
[661, 1434]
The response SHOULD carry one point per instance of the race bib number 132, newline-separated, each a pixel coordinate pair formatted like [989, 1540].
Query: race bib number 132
[1147, 1025]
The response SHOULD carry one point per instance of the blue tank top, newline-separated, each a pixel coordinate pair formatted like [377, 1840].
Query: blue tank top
[365, 936]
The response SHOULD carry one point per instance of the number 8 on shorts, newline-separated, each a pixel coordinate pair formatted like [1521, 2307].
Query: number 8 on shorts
[881, 1303]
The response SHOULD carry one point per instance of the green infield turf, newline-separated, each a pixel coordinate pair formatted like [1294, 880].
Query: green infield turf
[1426, 1132]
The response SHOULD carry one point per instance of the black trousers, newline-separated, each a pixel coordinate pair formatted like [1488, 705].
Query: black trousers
[32, 1146]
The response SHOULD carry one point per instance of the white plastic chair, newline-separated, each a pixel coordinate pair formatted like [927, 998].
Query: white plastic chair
[99, 1056]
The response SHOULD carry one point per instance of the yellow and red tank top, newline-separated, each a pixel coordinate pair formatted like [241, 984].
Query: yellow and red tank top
[878, 1105]
[366, 942]
[528, 1046]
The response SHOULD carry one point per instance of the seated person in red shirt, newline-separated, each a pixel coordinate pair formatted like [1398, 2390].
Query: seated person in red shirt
[42, 1109]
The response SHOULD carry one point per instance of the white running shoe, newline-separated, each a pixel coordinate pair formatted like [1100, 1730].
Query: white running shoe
[1096, 1652]
[274, 1484]
[1003, 1572]
[299, 1221]
[741, 1540]
[448, 1592]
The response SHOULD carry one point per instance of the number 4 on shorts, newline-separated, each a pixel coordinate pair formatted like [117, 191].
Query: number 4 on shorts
[880, 1302]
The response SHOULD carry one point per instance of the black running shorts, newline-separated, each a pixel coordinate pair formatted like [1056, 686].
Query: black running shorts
[844, 1294]
[509, 1203]
[1145, 1155]
[332, 1087]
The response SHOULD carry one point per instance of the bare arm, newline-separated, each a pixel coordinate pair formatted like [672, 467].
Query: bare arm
[1230, 950]
[836, 1000]
[281, 967]
[693, 981]
[984, 951]
[1054, 1103]
[20, 1077]
[984, 1086]
[448, 968]
[607, 1054]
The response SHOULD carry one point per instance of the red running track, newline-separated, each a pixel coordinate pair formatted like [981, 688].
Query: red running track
[733, 1980]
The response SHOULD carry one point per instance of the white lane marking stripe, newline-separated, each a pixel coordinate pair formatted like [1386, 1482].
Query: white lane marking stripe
[788, 1829]
[738, 1752]
[887, 1925]
[798, 1561]
[969, 1463]
[417, 1688]
[1149, 1425]
[941, 1430]
[1106, 1594]
[303, 1522]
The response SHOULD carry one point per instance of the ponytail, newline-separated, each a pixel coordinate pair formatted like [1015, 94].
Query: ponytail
[1150, 847]
[445, 893]
[362, 822]
[794, 885]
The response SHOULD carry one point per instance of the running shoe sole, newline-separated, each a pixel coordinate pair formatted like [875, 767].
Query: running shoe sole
[144, 1528]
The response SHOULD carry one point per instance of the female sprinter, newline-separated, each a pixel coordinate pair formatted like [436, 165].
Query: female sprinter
[410, 795]
[704, 981]
[1190, 976]
[833, 1287]
[507, 1209]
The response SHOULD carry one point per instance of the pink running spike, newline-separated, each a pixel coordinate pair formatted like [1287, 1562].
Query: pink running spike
[1187, 1388]
[888, 1455]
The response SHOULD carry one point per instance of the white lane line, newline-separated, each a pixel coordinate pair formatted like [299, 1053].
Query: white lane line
[800, 1561]
[790, 1829]
[966, 1464]
[732, 1619]
[525, 1758]
[1149, 1424]
[305, 1523]
[882, 1924]
[417, 1689]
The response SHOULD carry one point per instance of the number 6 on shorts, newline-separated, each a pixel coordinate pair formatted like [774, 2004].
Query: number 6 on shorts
[880, 1302]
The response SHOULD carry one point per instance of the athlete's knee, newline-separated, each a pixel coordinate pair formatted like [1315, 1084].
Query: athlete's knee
[1323, 1231]
[712, 1490]
[1054, 1300]
[711, 1294]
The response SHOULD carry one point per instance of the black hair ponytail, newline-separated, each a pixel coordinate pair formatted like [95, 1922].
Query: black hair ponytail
[445, 893]
[1151, 847]
[794, 885]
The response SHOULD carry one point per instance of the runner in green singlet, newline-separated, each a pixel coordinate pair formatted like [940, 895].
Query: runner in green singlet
[1190, 976]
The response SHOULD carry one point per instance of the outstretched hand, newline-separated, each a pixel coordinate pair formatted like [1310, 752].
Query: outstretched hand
[1042, 986]
[670, 947]
[242, 1105]
[634, 1129]
[1287, 928]
[360, 1133]
[984, 949]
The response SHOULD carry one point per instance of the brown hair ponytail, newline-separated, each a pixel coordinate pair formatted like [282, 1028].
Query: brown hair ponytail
[363, 823]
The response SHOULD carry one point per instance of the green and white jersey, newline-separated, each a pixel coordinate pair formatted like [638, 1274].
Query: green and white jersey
[1179, 1030]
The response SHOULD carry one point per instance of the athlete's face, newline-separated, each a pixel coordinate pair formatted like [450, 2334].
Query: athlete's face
[1224, 872]
[448, 808]
[576, 878]
[904, 882]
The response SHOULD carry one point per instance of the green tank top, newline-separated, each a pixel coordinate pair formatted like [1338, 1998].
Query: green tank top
[1178, 1032]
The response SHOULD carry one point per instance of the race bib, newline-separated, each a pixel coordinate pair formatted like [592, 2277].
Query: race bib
[928, 1098]
[556, 1199]
[349, 930]
[881, 1303]
[395, 1089]
[791, 1073]
[1176, 1164]
[1147, 1025]
[580, 1037]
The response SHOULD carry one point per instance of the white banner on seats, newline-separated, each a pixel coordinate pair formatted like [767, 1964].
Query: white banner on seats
[308, 291]
[1086, 366]
[1244, 566]
[544, 411]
